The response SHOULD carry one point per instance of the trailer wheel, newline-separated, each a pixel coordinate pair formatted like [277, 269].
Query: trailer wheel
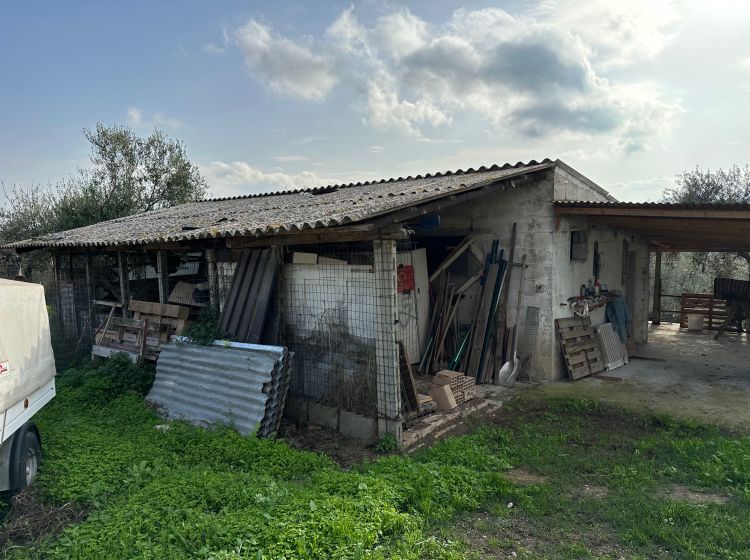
[27, 454]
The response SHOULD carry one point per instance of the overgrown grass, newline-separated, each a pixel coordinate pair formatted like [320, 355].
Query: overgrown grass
[185, 492]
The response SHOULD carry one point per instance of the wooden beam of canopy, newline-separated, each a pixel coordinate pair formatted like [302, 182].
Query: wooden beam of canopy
[671, 227]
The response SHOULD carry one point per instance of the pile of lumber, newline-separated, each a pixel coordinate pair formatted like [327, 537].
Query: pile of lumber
[481, 347]
[142, 336]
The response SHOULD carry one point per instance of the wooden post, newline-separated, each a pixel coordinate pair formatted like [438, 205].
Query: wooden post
[90, 291]
[213, 279]
[58, 289]
[122, 268]
[163, 276]
[388, 376]
[74, 301]
[657, 290]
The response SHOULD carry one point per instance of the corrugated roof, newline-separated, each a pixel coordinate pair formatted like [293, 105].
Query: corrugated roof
[652, 205]
[283, 211]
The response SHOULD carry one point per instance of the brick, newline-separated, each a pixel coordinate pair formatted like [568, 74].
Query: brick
[443, 396]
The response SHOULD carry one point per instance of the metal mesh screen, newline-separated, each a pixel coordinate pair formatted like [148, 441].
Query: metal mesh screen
[71, 291]
[330, 319]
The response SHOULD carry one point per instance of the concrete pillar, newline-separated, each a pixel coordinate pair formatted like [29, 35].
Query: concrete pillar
[386, 352]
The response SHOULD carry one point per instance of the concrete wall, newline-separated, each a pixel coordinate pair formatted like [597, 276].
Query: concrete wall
[570, 274]
[551, 277]
[491, 217]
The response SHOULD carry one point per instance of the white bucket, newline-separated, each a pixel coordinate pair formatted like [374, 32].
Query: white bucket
[695, 322]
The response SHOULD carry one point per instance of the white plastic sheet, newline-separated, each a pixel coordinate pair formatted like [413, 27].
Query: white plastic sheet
[26, 358]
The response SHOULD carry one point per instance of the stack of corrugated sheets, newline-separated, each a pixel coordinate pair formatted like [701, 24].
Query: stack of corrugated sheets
[239, 384]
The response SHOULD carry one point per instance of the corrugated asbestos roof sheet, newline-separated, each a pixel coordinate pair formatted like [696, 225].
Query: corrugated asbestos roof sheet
[283, 211]
[651, 205]
[244, 385]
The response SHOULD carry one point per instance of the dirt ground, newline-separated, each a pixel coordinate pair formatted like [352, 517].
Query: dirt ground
[689, 376]
[29, 519]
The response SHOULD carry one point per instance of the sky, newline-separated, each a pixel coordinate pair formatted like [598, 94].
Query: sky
[275, 95]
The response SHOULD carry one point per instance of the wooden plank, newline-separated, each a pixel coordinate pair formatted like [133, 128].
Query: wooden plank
[126, 322]
[588, 344]
[575, 332]
[501, 320]
[162, 276]
[450, 259]
[161, 309]
[482, 319]
[579, 371]
[579, 347]
[408, 385]
[469, 283]
[122, 270]
[570, 323]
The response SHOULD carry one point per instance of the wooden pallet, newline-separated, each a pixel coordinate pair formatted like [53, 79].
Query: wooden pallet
[713, 309]
[142, 336]
[580, 348]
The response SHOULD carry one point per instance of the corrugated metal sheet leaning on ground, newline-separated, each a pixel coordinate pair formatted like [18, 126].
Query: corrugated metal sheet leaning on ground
[243, 385]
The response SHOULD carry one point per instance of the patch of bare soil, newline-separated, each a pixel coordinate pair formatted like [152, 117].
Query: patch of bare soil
[30, 519]
[590, 491]
[490, 536]
[679, 493]
[343, 450]
[523, 477]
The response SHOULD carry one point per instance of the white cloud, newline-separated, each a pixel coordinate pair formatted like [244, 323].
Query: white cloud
[284, 66]
[615, 32]
[535, 74]
[400, 34]
[292, 158]
[239, 177]
[136, 118]
[745, 63]
[386, 111]
[527, 75]
[213, 48]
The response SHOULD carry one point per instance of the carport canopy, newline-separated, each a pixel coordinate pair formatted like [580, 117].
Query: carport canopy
[670, 227]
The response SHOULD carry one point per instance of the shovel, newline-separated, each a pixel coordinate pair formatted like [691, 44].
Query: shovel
[512, 367]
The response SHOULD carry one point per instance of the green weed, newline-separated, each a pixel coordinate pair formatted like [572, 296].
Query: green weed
[184, 492]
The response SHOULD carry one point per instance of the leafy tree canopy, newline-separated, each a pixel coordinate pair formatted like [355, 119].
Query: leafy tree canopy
[128, 175]
[699, 186]
[695, 272]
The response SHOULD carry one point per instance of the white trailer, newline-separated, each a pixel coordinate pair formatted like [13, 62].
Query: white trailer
[27, 380]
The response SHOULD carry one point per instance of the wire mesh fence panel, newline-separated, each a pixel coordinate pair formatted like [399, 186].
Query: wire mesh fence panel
[81, 290]
[329, 319]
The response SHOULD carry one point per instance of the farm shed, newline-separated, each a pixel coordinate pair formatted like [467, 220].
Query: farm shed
[363, 280]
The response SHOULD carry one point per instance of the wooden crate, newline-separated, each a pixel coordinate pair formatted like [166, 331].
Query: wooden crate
[580, 347]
